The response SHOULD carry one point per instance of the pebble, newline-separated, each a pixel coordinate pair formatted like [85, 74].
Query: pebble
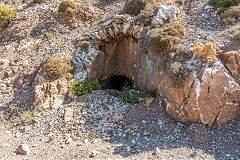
[23, 149]
[94, 153]
[157, 151]
[69, 140]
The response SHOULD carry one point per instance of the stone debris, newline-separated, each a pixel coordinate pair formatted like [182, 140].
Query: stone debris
[157, 151]
[94, 153]
[68, 115]
[24, 149]
[166, 14]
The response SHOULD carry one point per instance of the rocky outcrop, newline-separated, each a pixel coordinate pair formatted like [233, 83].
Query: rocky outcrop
[166, 14]
[232, 61]
[205, 95]
[49, 93]
[196, 89]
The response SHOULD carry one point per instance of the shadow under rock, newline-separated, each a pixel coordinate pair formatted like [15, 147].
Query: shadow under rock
[156, 129]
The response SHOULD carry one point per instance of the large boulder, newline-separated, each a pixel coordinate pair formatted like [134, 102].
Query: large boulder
[207, 93]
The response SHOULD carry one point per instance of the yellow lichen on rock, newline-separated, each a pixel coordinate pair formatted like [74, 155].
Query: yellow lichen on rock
[205, 51]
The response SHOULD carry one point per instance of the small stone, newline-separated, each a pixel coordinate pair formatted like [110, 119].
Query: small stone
[157, 151]
[148, 102]
[69, 140]
[23, 149]
[68, 115]
[85, 140]
[94, 153]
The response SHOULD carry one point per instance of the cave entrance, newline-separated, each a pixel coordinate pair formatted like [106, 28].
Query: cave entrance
[120, 83]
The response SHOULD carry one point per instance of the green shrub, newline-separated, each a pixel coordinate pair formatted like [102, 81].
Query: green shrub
[83, 45]
[67, 5]
[134, 95]
[165, 39]
[85, 86]
[49, 35]
[57, 67]
[223, 3]
[6, 15]
[91, 135]
[231, 15]
[28, 116]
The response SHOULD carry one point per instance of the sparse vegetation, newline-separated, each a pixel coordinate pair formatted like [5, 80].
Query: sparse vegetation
[165, 39]
[223, 3]
[237, 36]
[39, 1]
[83, 45]
[135, 7]
[49, 35]
[91, 135]
[231, 15]
[6, 15]
[181, 2]
[135, 95]
[5, 116]
[67, 5]
[205, 51]
[28, 116]
[50, 139]
[85, 86]
[57, 67]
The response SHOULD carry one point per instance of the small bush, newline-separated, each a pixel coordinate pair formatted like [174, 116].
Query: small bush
[67, 5]
[181, 2]
[49, 35]
[28, 116]
[205, 51]
[166, 39]
[145, 7]
[231, 15]
[237, 36]
[83, 45]
[57, 67]
[39, 1]
[223, 3]
[134, 7]
[85, 86]
[6, 15]
[135, 95]
[91, 135]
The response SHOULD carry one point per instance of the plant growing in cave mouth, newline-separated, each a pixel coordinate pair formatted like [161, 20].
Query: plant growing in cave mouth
[83, 87]
[135, 95]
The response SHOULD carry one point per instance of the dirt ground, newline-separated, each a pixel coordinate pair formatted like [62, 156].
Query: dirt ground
[137, 130]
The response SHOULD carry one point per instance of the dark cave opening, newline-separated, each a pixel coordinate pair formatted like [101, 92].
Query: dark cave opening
[120, 83]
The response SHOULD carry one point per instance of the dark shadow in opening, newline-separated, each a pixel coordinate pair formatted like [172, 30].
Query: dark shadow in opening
[120, 83]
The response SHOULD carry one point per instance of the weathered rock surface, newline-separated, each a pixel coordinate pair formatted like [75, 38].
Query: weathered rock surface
[194, 90]
[23, 149]
[166, 14]
[232, 60]
[204, 96]
[49, 93]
